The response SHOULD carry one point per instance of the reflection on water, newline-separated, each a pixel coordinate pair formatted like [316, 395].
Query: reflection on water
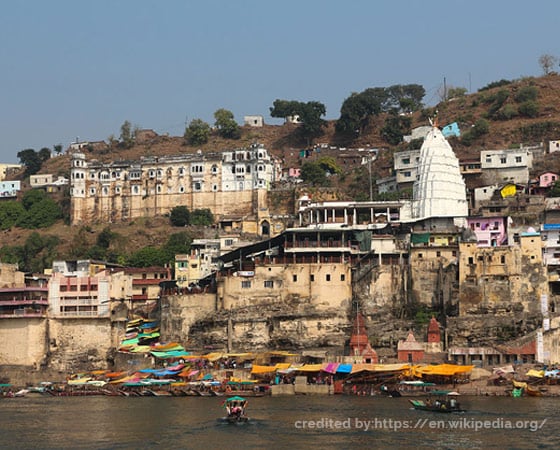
[276, 422]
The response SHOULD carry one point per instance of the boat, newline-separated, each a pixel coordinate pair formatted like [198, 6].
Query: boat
[448, 404]
[236, 409]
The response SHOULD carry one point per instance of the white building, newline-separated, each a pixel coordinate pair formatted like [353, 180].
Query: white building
[440, 190]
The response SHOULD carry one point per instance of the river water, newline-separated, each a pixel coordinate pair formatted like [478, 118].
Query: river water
[306, 422]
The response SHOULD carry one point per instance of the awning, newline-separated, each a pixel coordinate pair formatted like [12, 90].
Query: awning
[330, 367]
[442, 370]
[310, 368]
[262, 369]
[344, 368]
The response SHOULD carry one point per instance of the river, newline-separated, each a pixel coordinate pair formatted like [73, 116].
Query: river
[306, 422]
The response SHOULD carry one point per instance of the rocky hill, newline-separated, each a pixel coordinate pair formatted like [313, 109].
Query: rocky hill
[509, 121]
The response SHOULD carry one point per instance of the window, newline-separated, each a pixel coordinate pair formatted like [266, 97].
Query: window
[246, 284]
[407, 174]
[214, 169]
[342, 277]
[503, 159]
[197, 168]
[328, 277]
[406, 161]
[135, 190]
[269, 284]
[518, 159]
[197, 186]
[294, 278]
[312, 278]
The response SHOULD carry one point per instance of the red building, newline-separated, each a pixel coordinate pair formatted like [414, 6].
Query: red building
[359, 343]
[410, 350]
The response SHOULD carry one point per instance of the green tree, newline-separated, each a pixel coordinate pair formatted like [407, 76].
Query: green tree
[41, 215]
[284, 108]
[57, 149]
[404, 98]
[555, 189]
[357, 109]
[226, 124]
[313, 173]
[395, 128]
[179, 216]
[198, 132]
[456, 92]
[127, 135]
[529, 109]
[201, 217]
[31, 160]
[105, 238]
[10, 213]
[177, 243]
[309, 113]
[39, 252]
[148, 256]
[33, 196]
[526, 93]
[44, 154]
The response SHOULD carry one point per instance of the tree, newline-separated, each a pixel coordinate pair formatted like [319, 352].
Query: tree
[10, 213]
[105, 238]
[31, 160]
[33, 196]
[148, 256]
[456, 92]
[179, 216]
[177, 243]
[197, 133]
[226, 124]
[57, 149]
[547, 62]
[44, 154]
[127, 135]
[309, 113]
[313, 173]
[555, 190]
[201, 217]
[284, 108]
[395, 128]
[41, 215]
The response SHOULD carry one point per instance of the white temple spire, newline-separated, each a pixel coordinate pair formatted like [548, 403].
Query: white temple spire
[439, 190]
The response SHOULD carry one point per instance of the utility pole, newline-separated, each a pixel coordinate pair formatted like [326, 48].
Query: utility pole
[370, 183]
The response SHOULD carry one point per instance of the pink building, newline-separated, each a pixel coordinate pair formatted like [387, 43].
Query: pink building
[489, 231]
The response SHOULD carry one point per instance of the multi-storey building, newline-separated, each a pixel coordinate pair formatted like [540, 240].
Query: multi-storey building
[509, 165]
[489, 231]
[19, 298]
[9, 189]
[229, 183]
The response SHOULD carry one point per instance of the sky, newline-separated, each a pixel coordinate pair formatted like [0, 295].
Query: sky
[77, 70]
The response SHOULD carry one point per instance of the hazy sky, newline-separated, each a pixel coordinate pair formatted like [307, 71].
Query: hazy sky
[79, 69]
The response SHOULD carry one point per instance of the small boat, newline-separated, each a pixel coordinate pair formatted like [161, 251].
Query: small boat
[449, 404]
[236, 409]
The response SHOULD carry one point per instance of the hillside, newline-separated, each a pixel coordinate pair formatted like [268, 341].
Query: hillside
[506, 128]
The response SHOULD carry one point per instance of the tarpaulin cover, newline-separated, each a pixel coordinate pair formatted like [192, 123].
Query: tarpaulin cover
[330, 367]
[441, 369]
[262, 369]
[344, 368]
[310, 368]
